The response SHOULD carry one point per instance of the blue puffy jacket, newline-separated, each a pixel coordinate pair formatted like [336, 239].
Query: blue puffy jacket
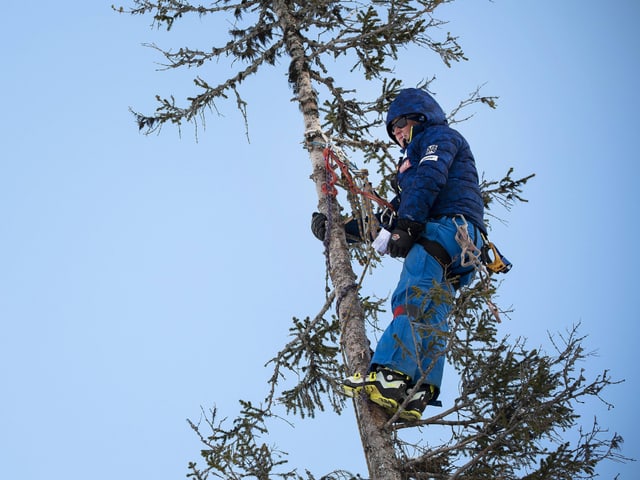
[438, 175]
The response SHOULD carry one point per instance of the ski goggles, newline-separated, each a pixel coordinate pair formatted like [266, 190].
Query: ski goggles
[403, 120]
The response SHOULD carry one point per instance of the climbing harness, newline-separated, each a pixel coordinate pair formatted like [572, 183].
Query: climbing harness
[374, 230]
[356, 183]
[471, 255]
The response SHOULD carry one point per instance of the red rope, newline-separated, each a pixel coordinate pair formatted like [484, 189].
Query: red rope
[329, 188]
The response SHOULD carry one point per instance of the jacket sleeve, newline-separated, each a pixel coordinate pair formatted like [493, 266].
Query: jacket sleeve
[431, 158]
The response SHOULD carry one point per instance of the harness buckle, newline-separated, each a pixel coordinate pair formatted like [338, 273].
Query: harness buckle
[493, 259]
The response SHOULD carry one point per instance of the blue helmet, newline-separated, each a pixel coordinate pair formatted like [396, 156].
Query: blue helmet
[417, 103]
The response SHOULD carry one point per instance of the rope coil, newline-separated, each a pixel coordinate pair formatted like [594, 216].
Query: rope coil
[355, 182]
[349, 183]
[470, 255]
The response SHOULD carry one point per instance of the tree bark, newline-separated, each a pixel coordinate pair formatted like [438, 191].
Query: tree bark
[377, 441]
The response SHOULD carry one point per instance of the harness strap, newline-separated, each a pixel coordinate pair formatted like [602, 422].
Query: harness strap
[437, 251]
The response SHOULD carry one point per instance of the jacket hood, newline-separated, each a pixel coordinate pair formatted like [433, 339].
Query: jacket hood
[415, 101]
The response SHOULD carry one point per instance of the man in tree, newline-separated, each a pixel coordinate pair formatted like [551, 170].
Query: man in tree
[437, 198]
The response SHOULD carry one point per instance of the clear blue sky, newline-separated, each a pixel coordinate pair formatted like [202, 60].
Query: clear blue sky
[144, 277]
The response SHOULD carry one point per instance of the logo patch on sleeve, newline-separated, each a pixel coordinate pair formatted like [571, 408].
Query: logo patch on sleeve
[431, 149]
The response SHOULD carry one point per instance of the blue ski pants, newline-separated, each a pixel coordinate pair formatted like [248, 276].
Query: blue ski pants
[413, 343]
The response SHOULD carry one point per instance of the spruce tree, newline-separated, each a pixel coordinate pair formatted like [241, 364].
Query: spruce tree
[514, 402]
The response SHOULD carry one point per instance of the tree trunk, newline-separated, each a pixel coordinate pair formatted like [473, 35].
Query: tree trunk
[377, 441]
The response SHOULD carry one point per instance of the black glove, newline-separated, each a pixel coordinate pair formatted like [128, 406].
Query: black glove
[319, 225]
[403, 237]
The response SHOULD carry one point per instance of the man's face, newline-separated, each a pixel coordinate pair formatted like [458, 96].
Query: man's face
[401, 128]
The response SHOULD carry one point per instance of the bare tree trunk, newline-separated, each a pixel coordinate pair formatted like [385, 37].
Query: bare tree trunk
[376, 440]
